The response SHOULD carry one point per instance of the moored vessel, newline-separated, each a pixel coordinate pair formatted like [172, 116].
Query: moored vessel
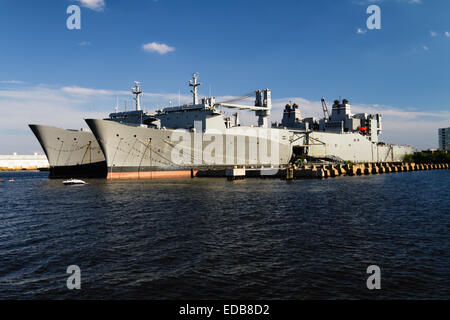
[178, 141]
[76, 153]
[70, 153]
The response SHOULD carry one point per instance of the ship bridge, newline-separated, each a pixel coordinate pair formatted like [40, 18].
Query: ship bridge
[205, 115]
[341, 120]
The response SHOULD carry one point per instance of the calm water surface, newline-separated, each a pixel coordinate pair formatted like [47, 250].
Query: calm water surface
[215, 239]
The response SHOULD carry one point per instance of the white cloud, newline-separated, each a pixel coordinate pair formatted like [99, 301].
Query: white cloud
[37, 105]
[160, 48]
[425, 48]
[447, 34]
[75, 90]
[433, 34]
[97, 5]
[151, 97]
[11, 82]
[360, 31]
[84, 43]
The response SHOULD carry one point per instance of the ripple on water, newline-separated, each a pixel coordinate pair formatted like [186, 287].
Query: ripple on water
[210, 238]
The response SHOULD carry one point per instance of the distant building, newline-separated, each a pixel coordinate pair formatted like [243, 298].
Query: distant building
[23, 162]
[444, 139]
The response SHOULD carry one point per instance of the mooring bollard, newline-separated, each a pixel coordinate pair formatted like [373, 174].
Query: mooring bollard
[333, 171]
[290, 174]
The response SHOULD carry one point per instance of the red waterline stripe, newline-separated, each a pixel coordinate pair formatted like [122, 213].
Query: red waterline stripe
[150, 175]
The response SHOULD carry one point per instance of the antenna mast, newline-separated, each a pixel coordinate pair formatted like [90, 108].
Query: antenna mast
[137, 92]
[193, 83]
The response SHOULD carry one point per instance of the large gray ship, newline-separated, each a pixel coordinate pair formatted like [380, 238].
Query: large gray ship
[179, 141]
[76, 153]
[71, 153]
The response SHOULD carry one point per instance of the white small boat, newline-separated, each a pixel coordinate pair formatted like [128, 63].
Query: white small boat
[73, 181]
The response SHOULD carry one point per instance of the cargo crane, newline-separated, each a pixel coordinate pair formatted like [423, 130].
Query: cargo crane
[263, 104]
[326, 113]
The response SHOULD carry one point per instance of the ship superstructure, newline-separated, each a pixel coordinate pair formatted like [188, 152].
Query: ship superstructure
[341, 120]
[341, 135]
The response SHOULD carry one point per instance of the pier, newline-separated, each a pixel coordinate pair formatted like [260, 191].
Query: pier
[331, 171]
[321, 171]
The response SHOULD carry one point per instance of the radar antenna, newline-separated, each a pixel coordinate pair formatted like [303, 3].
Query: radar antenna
[193, 83]
[137, 92]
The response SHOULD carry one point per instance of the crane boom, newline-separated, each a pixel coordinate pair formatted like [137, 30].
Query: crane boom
[240, 107]
[326, 113]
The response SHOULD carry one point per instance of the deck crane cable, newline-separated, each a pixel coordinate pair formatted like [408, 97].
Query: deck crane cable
[248, 95]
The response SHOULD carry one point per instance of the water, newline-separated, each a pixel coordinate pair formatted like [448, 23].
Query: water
[215, 239]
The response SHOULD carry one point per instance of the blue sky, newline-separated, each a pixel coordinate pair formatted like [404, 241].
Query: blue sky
[302, 50]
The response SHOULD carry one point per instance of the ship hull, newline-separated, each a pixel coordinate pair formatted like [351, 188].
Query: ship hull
[135, 173]
[134, 152]
[91, 170]
[71, 153]
[353, 147]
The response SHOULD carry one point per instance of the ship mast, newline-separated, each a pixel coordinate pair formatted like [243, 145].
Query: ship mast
[137, 92]
[193, 83]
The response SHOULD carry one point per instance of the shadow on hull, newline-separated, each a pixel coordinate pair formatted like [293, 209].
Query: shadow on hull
[92, 170]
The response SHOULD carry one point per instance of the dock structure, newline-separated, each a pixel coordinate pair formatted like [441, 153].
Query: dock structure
[364, 169]
[314, 171]
[235, 173]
